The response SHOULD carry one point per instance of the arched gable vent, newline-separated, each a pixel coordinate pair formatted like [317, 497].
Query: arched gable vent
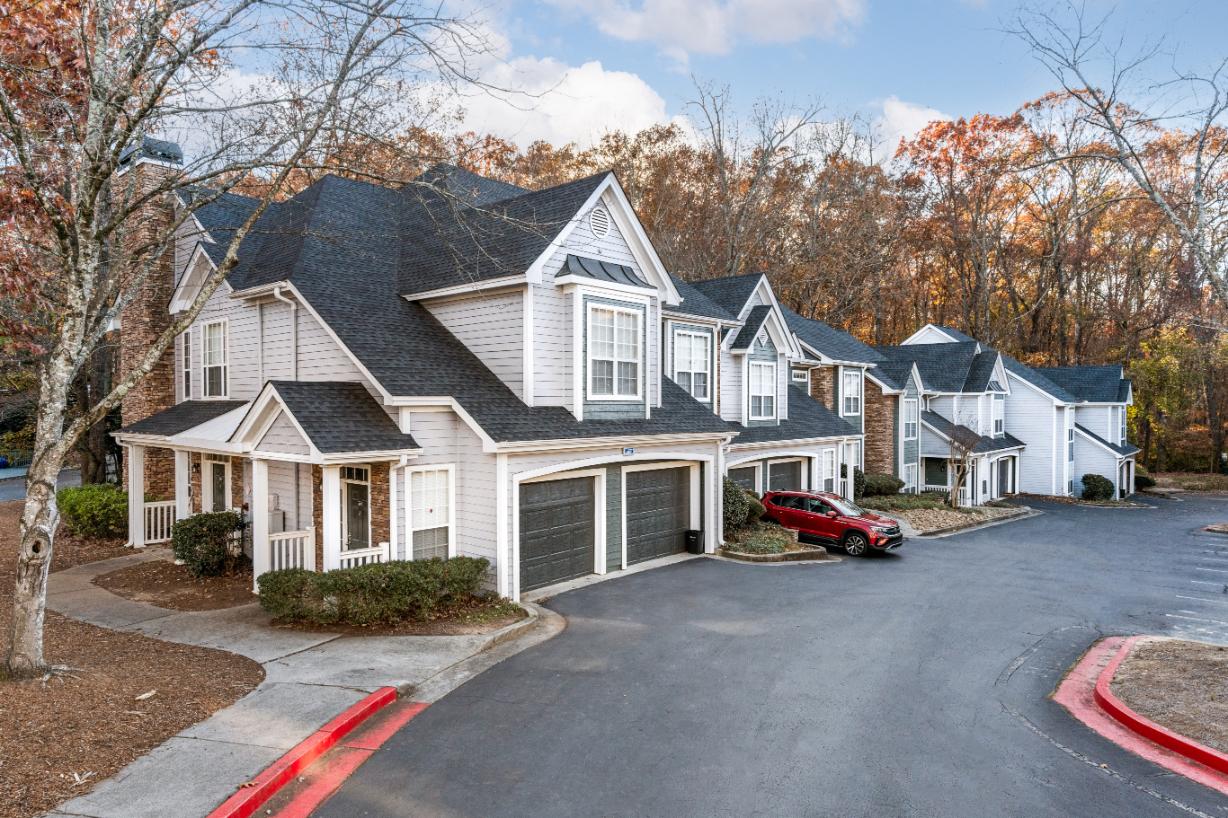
[599, 222]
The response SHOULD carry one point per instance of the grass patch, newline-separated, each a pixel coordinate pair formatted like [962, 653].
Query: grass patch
[763, 539]
[909, 502]
[1192, 481]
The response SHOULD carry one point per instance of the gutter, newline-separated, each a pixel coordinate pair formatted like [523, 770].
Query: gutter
[293, 330]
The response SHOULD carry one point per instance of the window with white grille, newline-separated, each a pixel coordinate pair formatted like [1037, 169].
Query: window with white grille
[999, 414]
[693, 362]
[911, 418]
[214, 360]
[762, 390]
[187, 364]
[851, 396]
[430, 513]
[613, 353]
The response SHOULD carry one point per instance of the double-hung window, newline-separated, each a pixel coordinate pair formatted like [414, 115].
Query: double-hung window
[762, 390]
[430, 513]
[214, 360]
[911, 418]
[851, 395]
[910, 477]
[693, 363]
[1121, 427]
[187, 364]
[999, 414]
[613, 353]
[1070, 444]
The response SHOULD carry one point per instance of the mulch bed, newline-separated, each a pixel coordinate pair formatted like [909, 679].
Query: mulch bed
[167, 585]
[477, 616]
[61, 736]
[926, 520]
[1180, 685]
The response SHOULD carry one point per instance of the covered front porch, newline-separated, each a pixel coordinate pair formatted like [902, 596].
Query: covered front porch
[312, 472]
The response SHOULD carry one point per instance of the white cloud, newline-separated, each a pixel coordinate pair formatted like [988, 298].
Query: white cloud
[561, 103]
[680, 27]
[902, 120]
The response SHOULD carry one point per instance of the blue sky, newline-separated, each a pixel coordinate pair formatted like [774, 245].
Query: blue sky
[629, 62]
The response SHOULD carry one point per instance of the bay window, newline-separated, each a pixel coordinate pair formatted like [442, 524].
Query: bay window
[613, 353]
[693, 363]
[762, 390]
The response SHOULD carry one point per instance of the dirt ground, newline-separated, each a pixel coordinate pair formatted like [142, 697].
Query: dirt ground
[934, 519]
[167, 585]
[122, 695]
[1180, 685]
[1192, 481]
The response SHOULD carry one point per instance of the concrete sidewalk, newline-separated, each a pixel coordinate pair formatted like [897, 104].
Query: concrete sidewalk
[309, 678]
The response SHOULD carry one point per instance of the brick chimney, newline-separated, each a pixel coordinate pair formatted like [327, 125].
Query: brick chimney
[148, 314]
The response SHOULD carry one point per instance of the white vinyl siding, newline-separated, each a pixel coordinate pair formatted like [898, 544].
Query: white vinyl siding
[1032, 417]
[615, 359]
[492, 327]
[693, 363]
[763, 388]
[282, 437]
[214, 351]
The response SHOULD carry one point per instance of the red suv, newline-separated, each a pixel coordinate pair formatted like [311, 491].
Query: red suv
[834, 519]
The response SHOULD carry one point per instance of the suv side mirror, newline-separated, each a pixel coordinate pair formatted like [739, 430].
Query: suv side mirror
[831, 514]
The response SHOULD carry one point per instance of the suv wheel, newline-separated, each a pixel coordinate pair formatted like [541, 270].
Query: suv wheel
[856, 544]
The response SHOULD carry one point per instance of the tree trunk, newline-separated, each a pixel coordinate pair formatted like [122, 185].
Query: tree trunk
[39, 519]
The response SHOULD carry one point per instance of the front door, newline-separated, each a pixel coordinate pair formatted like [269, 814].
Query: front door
[1004, 476]
[357, 515]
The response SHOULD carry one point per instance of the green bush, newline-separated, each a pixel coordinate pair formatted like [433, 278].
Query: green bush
[882, 485]
[755, 509]
[377, 594]
[736, 505]
[99, 510]
[1096, 487]
[859, 483]
[208, 544]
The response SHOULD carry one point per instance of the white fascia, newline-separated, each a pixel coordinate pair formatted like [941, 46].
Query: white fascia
[182, 299]
[602, 442]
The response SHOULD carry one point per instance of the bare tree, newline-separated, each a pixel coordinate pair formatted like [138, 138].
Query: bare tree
[1150, 127]
[257, 90]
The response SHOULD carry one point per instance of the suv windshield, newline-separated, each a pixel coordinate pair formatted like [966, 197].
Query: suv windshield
[846, 507]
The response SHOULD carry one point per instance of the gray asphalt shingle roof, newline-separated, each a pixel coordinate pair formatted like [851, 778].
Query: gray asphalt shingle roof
[967, 438]
[980, 371]
[750, 328]
[945, 367]
[694, 302]
[834, 343]
[808, 419]
[182, 416]
[894, 374]
[1123, 451]
[341, 416]
[1104, 383]
[732, 292]
[1037, 379]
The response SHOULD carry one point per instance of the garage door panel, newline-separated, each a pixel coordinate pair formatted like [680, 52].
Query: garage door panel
[658, 512]
[557, 531]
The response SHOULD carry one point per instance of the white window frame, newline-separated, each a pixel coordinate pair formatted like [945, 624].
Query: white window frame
[912, 418]
[800, 376]
[757, 466]
[638, 315]
[706, 340]
[186, 360]
[205, 366]
[207, 463]
[910, 478]
[998, 413]
[1121, 426]
[411, 527]
[345, 517]
[829, 471]
[770, 367]
[1070, 444]
[846, 396]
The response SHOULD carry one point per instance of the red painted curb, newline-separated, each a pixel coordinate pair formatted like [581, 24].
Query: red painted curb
[256, 792]
[1166, 738]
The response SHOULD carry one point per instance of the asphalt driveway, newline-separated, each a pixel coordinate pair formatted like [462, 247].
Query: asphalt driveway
[912, 684]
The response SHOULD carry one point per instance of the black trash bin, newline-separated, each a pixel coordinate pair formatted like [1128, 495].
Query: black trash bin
[694, 542]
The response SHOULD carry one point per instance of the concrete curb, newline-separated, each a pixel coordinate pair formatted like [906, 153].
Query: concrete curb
[256, 793]
[808, 555]
[1162, 736]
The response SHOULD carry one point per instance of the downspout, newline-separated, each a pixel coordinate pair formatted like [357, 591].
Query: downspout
[298, 488]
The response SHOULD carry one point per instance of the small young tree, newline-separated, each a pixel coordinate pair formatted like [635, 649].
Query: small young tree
[255, 89]
[960, 458]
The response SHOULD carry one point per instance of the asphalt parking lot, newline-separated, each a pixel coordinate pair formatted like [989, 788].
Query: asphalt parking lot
[908, 684]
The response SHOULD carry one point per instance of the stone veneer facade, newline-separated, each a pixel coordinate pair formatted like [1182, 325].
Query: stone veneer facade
[380, 531]
[144, 319]
[823, 386]
[880, 429]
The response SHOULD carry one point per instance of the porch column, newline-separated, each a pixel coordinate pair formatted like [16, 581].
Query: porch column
[260, 519]
[814, 484]
[716, 531]
[330, 515]
[183, 485]
[136, 496]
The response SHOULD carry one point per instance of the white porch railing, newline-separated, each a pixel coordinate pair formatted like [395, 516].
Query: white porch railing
[364, 556]
[159, 519]
[292, 549]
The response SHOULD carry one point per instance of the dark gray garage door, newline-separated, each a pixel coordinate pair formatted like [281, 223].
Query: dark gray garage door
[785, 476]
[557, 538]
[658, 512]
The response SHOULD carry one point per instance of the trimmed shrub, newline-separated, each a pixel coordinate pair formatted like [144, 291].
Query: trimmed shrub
[381, 593]
[882, 485]
[736, 505]
[209, 544]
[1096, 487]
[99, 510]
[755, 509]
[859, 483]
